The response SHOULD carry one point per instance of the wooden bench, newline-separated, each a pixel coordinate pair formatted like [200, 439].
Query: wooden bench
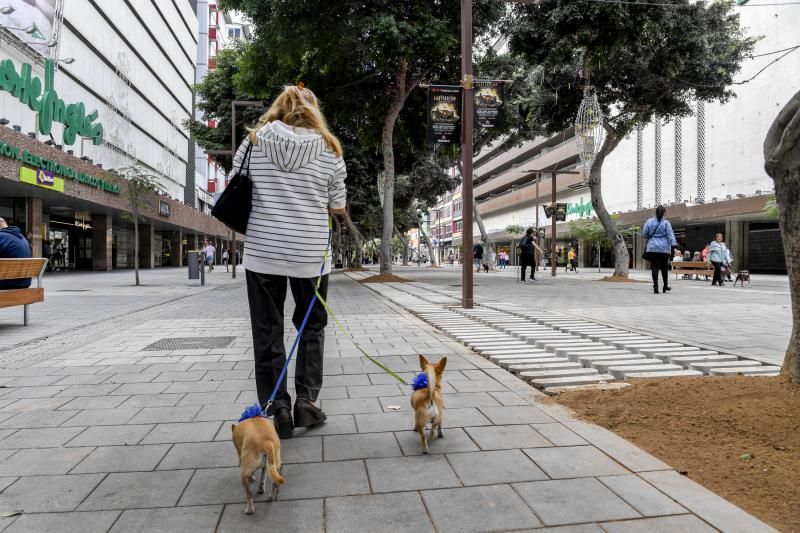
[22, 268]
[699, 268]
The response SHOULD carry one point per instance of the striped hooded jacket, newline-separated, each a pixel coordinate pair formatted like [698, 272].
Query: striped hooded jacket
[296, 179]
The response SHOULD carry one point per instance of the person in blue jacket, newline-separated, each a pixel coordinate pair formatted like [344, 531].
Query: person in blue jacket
[660, 241]
[13, 245]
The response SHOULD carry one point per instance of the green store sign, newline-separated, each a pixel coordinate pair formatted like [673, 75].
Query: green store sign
[35, 161]
[44, 100]
[582, 209]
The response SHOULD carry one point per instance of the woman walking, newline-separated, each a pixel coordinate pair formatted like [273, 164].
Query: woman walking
[298, 175]
[717, 253]
[660, 241]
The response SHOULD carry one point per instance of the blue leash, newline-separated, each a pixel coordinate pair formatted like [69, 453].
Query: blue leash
[302, 327]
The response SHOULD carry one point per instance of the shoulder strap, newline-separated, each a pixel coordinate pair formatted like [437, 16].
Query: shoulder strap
[246, 157]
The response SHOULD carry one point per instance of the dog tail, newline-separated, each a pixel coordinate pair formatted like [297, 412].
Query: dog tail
[273, 456]
[431, 373]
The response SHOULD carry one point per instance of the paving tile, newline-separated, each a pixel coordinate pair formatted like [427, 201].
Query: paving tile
[137, 489]
[470, 399]
[34, 404]
[319, 480]
[642, 496]
[305, 450]
[574, 501]
[39, 438]
[275, 517]
[5, 481]
[218, 412]
[574, 461]
[133, 378]
[618, 448]
[500, 466]
[102, 417]
[335, 425]
[122, 459]
[48, 494]
[462, 417]
[177, 519]
[358, 446]
[684, 523]
[381, 422]
[210, 398]
[84, 522]
[93, 402]
[454, 440]
[37, 419]
[111, 435]
[130, 389]
[506, 437]
[193, 386]
[152, 400]
[351, 406]
[200, 455]
[182, 432]
[210, 486]
[377, 513]
[478, 509]
[579, 528]
[559, 434]
[704, 503]
[42, 461]
[411, 473]
[486, 385]
[374, 391]
[156, 415]
[181, 375]
[89, 390]
[515, 415]
[36, 392]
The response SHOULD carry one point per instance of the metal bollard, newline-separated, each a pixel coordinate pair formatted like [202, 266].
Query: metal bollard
[193, 264]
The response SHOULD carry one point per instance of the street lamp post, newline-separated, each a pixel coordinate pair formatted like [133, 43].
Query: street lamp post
[466, 151]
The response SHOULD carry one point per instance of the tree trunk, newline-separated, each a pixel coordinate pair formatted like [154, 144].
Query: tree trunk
[782, 163]
[488, 244]
[405, 245]
[621, 256]
[431, 252]
[136, 244]
[357, 237]
[387, 146]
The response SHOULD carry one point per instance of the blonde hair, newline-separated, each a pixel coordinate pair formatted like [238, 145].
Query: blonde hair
[298, 107]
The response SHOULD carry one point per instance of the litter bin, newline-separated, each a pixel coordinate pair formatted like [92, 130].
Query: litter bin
[194, 264]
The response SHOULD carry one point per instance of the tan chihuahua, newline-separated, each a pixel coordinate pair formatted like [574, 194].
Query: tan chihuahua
[427, 401]
[258, 446]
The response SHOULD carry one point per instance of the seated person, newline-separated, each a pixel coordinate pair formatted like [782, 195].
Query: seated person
[13, 245]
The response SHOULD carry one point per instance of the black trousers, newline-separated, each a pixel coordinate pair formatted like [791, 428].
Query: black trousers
[717, 273]
[659, 263]
[266, 294]
[526, 261]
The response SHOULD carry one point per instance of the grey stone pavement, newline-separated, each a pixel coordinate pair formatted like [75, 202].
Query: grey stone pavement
[97, 434]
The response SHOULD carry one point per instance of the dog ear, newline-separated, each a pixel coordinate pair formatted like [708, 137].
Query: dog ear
[439, 366]
[422, 362]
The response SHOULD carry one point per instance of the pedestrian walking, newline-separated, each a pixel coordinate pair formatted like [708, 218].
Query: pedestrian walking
[660, 240]
[225, 258]
[717, 252]
[477, 256]
[526, 256]
[298, 174]
[572, 262]
[451, 259]
[503, 258]
[210, 253]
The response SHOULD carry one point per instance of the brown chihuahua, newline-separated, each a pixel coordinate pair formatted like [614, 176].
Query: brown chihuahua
[258, 446]
[427, 401]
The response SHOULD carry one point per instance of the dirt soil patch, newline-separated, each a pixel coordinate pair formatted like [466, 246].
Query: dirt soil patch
[384, 278]
[620, 279]
[738, 436]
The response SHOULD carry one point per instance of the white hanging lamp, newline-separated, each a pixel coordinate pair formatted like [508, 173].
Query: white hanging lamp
[589, 133]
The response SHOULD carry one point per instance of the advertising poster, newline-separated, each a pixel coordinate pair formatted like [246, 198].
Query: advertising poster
[32, 22]
[489, 99]
[444, 114]
[561, 212]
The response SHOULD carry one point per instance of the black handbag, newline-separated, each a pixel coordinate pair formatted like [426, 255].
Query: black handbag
[646, 254]
[233, 206]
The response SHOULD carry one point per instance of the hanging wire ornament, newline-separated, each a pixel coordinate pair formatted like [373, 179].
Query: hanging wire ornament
[589, 131]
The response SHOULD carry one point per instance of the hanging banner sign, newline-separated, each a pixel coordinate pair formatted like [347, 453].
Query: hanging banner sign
[444, 114]
[489, 98]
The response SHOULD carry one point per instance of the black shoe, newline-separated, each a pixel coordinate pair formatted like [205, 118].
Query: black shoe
[655, 290]
[307, 414]
[282, 419]
[667, 289]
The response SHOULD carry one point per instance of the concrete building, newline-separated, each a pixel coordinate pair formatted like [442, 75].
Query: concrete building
[708, 168]
[89, 88]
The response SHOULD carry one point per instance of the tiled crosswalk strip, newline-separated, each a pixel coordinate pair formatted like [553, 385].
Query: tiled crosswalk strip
[552, 350]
